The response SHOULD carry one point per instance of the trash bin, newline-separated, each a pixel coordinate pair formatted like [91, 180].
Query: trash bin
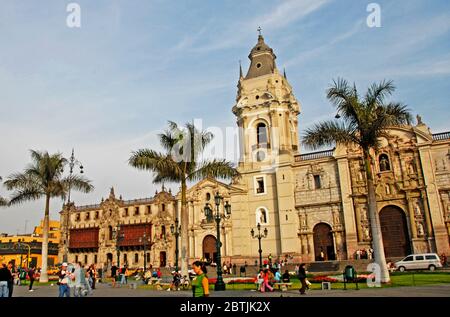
[350, 276]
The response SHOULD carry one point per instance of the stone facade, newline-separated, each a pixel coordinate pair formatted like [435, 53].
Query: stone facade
[312, 205]
[94, 226]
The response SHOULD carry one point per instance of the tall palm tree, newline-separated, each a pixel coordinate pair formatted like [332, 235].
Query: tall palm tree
[181, 164]
[365, 120]
[3, 201]
[44, 178]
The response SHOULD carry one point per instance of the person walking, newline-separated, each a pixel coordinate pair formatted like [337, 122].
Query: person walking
[11, 280]
[93, 273]
[113, 275]
[5, 276]
[302, 278]
[88, 281]
[63, 281]
[266, 278]
[200, 284]
[80, 279]
[31, 275]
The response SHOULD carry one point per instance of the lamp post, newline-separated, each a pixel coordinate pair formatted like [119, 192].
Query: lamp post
[144, 239]
[226, 214]
[175, 230]
[259, 236]
[119, 237]
[72, 163]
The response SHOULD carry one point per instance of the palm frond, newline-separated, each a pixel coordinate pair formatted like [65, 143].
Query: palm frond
[377, 92]
[26, 194]
[215, 169]
[329, 133]
[3, 202]
[397, 114]
[345, 99]
[79, 183]
[146, 159]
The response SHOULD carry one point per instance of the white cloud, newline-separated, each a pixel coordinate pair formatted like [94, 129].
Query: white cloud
[278, 17]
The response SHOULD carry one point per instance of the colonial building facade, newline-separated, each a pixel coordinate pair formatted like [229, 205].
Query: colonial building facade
[309, 203]
[99, 233]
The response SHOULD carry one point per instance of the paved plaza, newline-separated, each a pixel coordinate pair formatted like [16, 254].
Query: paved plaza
[105, 290]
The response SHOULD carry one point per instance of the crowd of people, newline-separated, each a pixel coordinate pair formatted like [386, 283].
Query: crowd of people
[364, 254]
[10, 276]
[78, 281]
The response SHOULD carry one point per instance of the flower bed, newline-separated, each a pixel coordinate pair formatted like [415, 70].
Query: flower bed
[320, 279]
[237, 280]
[250, 280]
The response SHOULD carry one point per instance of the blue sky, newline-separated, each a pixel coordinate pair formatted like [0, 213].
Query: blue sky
[108, 87]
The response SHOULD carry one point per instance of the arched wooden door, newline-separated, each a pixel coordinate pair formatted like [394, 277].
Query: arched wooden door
[394, 230]
[209, 248]
[109, 259]
[323, 243]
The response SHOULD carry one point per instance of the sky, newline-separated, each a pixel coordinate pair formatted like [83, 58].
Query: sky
[108, 87]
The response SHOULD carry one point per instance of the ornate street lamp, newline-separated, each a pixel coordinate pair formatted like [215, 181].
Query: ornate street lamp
[144, 240]
[226, 214]
[175, 230]
[119, 238]
[259, 236]
[72, 163]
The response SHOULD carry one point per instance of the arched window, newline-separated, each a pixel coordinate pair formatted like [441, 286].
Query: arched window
[262, 216]
[208, 196]
[163, 207]
[261, 136]
[163, 232]
[383, 161]
[110, 233]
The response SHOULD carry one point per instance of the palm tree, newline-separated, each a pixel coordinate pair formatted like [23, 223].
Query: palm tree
[365, 120]
[43, 178]
[3, 201]
[181, 164]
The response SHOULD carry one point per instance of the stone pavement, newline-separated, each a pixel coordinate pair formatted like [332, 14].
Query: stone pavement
[105, 290]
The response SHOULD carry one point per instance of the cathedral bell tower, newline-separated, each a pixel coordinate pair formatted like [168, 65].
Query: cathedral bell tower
[266, 110]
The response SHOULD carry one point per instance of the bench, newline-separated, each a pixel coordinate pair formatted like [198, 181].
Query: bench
[154, 280]
[283, 286]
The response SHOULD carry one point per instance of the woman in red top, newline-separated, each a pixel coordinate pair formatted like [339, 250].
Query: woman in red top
[266, 282]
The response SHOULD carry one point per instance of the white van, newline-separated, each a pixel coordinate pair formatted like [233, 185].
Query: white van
[424, 261]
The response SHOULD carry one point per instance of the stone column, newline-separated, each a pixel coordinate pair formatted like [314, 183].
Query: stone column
[335, 244]
[427, 214]
[433, 207]
[351, 223]
[358, 210]
[412, 220]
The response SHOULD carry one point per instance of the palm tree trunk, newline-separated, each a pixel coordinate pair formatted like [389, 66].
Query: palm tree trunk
[377, 238]
[44, 277]
[184, 230]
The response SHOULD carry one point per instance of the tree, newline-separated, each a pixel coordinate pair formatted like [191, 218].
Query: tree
[181, 164]
[365, 121]
[3, 201]
[43, 178]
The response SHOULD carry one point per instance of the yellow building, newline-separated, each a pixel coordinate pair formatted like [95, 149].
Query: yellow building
[19, 248]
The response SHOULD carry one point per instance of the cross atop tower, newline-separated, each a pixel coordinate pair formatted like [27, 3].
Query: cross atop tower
[259, 30]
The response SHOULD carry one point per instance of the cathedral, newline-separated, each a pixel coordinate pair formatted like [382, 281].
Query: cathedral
[313, 206]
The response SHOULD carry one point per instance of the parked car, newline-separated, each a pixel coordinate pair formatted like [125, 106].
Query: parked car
[423, 261]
